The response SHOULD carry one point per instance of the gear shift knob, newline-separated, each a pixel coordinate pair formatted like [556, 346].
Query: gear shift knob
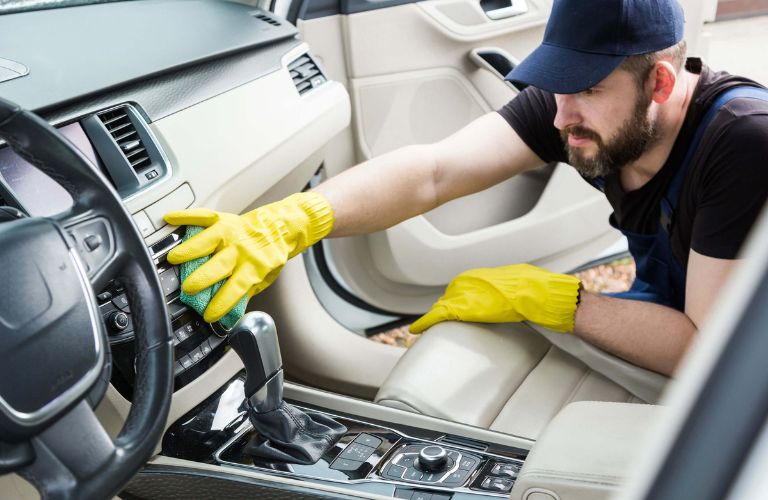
[254, 338]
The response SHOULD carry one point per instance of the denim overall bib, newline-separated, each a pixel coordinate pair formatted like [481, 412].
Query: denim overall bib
[660, 277]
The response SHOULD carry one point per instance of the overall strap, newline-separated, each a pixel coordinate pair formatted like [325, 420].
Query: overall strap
[669, 200]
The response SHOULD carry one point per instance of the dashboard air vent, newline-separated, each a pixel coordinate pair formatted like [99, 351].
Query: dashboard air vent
[124, 133]
[267, 19]
[127, 148]
[306, 74]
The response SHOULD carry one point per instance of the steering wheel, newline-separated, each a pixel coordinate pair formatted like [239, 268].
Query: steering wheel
[53, 343]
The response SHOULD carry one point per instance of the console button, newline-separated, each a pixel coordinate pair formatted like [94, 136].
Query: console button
[421, 495]
[407, 460]
[403, 493]
[500, 484]
[505, 469]
[432, 477]
[214, 341]
[196, 354]
[182, 333]
[412, 475]
[121, 302]
[178, 369]
[456, 478]
[442, 496]
[205, 348]
[394, 471]
[356, 451]
[186, 362]
[368, 440]
[346, 465]
[169, 281]
[468, 463]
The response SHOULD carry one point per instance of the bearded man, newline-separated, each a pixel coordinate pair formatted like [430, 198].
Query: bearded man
[678, 149]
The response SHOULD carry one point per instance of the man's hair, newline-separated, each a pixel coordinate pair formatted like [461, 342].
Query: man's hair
[640, 65]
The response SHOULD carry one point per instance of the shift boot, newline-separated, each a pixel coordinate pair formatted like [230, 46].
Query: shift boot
[287, 434]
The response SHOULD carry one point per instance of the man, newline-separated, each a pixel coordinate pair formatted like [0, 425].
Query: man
[612, 95]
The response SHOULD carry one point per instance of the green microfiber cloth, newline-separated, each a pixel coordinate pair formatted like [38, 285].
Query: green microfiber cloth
[200, 301]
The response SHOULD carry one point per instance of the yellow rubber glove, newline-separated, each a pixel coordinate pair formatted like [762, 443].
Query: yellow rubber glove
[519, 292]
[250, 249]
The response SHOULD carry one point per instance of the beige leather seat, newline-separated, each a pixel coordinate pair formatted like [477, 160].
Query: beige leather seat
[509, 378]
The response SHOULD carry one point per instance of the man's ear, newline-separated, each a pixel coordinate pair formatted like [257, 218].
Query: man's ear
[663, 78]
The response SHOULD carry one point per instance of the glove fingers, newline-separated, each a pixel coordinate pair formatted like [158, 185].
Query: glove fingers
[200, 245]
[217, 268]
[438, 313]
[230, 293]
[192, 217]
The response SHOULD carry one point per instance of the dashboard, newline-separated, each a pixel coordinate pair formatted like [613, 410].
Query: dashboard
[181, 104]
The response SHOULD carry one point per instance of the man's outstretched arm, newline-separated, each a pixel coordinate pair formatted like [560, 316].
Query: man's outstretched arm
[651, 335]
[412, 180]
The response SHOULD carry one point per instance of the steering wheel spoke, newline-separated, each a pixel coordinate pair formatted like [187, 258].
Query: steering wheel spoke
[69, 454]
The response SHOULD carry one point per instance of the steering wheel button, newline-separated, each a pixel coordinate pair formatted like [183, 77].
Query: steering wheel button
[92, 242]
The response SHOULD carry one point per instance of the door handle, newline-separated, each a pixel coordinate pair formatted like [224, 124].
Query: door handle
[503, 9]
[497, 61]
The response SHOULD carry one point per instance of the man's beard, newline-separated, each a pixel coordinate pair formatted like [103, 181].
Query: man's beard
[633, 139]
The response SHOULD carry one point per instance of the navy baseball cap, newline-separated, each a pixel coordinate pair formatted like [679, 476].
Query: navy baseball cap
[587, 39]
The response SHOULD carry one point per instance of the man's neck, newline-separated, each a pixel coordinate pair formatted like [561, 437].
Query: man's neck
[671, 116]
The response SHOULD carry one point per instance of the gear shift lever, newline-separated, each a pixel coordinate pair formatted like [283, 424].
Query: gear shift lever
[284, 432]
[254, 338]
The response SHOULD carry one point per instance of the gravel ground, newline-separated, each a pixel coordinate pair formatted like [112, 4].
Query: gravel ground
[615, 276]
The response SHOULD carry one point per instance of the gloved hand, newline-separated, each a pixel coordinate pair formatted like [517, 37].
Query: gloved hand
[507, 294]
[249, 249]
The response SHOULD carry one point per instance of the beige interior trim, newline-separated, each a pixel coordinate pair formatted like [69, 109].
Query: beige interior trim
[253, 136]
[272, 478]
[316, 348]
[645, 384]
[698, 363]
[400, 109]
[332, 401]
[465, 21]
[586, 452]
[405, 253]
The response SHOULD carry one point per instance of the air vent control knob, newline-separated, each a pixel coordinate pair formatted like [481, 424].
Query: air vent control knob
[432, 458]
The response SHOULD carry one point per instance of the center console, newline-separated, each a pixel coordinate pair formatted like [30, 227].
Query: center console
[366, 456]
[197, 344]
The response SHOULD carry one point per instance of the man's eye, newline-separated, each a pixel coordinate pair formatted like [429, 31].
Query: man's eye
[589, 91]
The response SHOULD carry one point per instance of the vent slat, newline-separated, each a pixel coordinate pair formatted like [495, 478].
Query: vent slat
[140, 161]
[135, 152]
[119, 127]
[125, 135]
[305, 74]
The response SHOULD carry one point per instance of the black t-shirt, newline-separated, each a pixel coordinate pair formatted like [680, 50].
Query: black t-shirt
[724, 189]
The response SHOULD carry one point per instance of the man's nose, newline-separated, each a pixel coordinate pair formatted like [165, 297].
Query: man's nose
[567, 111]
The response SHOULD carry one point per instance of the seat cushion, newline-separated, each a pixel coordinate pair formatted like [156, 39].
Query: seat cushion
[503, 377]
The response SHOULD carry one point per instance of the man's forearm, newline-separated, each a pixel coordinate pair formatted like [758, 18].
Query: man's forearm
[646, 334]
[382, 191]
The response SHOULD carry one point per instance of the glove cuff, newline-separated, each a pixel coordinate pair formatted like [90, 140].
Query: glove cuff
[562, 300]
[319, 213]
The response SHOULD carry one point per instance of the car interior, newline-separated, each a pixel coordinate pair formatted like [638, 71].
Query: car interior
[114, 113]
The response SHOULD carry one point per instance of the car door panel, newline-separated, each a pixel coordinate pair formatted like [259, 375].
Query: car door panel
[412, 79]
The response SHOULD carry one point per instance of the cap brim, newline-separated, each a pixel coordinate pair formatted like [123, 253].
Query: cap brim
[563, 71]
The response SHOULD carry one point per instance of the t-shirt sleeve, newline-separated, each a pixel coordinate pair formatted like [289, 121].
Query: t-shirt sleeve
[531, 114]
[735, 189]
